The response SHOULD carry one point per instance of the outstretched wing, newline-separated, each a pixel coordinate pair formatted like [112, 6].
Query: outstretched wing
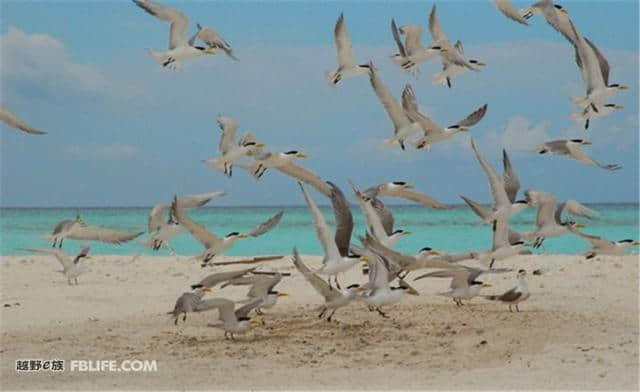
[318, 283]
[14, 122]
[199, 232]
[266, 225]
[102, 234]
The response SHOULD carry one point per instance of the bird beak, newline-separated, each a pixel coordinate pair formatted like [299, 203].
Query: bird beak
[360, 289]
[301, 155]
[210, 51]
[618, 107]
[480, 64]
[243, 236]
[487, 285]
[412, 292]
[283, 295]
[87, 257]
[580, 225]
[406, 233]
[586, 143]
[436, 253]
[637, 243]
[259, 145]
[256, 323]
[207, 290]
[364, 259]
[409, 186]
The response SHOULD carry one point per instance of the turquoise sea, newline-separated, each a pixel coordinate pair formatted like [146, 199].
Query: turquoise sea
[453, 230]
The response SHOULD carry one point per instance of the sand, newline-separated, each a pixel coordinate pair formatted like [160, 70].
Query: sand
[578, 330]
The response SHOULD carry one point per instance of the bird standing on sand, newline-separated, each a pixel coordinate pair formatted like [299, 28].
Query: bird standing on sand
[514, 296]
[71, 268]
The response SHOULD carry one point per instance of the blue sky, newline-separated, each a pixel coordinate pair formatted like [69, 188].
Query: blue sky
[125, 132]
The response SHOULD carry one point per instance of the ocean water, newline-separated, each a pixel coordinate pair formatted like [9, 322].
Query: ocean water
[453, 230]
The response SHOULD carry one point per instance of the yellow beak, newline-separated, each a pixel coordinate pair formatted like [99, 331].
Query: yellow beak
[207, 290]
[256, 323]
[283, 295]
[487, 285]
[210, 51]
[301, 155]
[364, 259]
[580, 225]
[259, 145]
[412, 292]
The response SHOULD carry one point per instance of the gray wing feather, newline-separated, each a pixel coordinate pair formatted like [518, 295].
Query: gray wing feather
[343, 218]
[266, 226]
[509, 177]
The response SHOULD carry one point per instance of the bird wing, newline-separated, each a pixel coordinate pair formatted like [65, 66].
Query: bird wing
[215, 40]
[228, 126]
[509, 177]
[413, 34]
[510, 295]
[460, 276]
[225, 308]
[435, 29]
[59, 254]
[594, 241]
[102, 234]
[397, 39]
[14, 122]
[374, 224]
[384, 213]
[509, 11]
[500, 197]
[343, 218]
[602, 61]
[343, 44]
[403, 261]
[62, 226]
[199, 232]
[474, 117]
[546, 206]
[483, 212]
[410, 105]
[266, 225]
[318, 283]
[177, 20]
[198, 200]
[244, 310]
[559, 147]
[214, 279]
[260, 284]
[305, 175]
[500, 231]
[587, 61]
[574, 207]
[395, 112]
[156, 219]
[322, 230]
[407, 194]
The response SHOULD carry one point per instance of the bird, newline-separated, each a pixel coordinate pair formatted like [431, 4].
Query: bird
[180, 49]
[343, 219]
[214, 41]
[594, 111]
[514, 296]
[71, 268]
[346, 65]
[234, 321]
[214, 245]
[212, 280]
[262, 289]
[602, 246]
[503, 190]
[188, 302]
[412, 52]
[509, 11]
[333, 298]
[452, 57]
[230, 150]
[464, 283]
[433, 133]
[399, 189]
[374, 221]
[555, 15]
[381, 293]
[403, 127]
[284, 163]
[161, 232]
[78, 230]
[571, 149]
[333, 262]
[549, 221]
[14, 122]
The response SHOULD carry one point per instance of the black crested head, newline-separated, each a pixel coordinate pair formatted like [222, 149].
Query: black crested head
[353, 286]
[202, 48]
[437, 47]
[365, 66]
[610, 105]
[272, 292]
[627, 240]
[196, 286]
[476, 282]
[558, 6]
[522, 202]
[401, 183]
[577, 140]
[399, 231]
[233, 233]
[292, 152]
[426, 249]
[454, 126]
[521, 271]
[614, 85]
[473, 61]
[518, 243]
[244, 318]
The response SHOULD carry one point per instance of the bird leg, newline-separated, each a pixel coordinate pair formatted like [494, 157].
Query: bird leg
[175, 320]
[329, 282]
[55, 240]
[331, 315]
[337, 283]
[448, 82]
[322, 313]
[491, 263]
[383, 314]
[371, 308]
[517, 308]
[259, 312]
[184, 318]
[60, 243]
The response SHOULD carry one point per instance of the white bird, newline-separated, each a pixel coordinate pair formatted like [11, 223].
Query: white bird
[549, 221]
[230, 150]
[234, 321]
[284, 163]
[412, 52]
[180, 49]
[555, 15]
[571, 149]
[333, 262]
[602, 246]
[464, 283]
[433, 133]
[14, 122]
[78, 230]
[188, 302]
[214, 245]
[212, 280]
[403, 127]
[71, 268]
[381, 292]
[333, 298]
[594, 111]
[63, 228]
[261, 288]
[346, 65]
[214, 41]
[453, 61]
[509, 11]
[515, 295]
[374, 222]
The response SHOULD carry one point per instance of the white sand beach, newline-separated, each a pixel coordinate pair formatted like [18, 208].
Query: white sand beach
[579, 330]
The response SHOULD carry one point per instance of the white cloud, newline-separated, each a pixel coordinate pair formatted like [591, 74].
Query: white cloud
[43, 61]
[112, 151]
[519, 135]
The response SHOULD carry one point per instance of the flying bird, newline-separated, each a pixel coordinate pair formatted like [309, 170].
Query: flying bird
[571, 149]
[188, 303]
[262, 289]
[509, 11]
[411, 52]
[71, 268]
[346, 65]
[214, 40]
[14, 122]
[230, 150]
[234, 321]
